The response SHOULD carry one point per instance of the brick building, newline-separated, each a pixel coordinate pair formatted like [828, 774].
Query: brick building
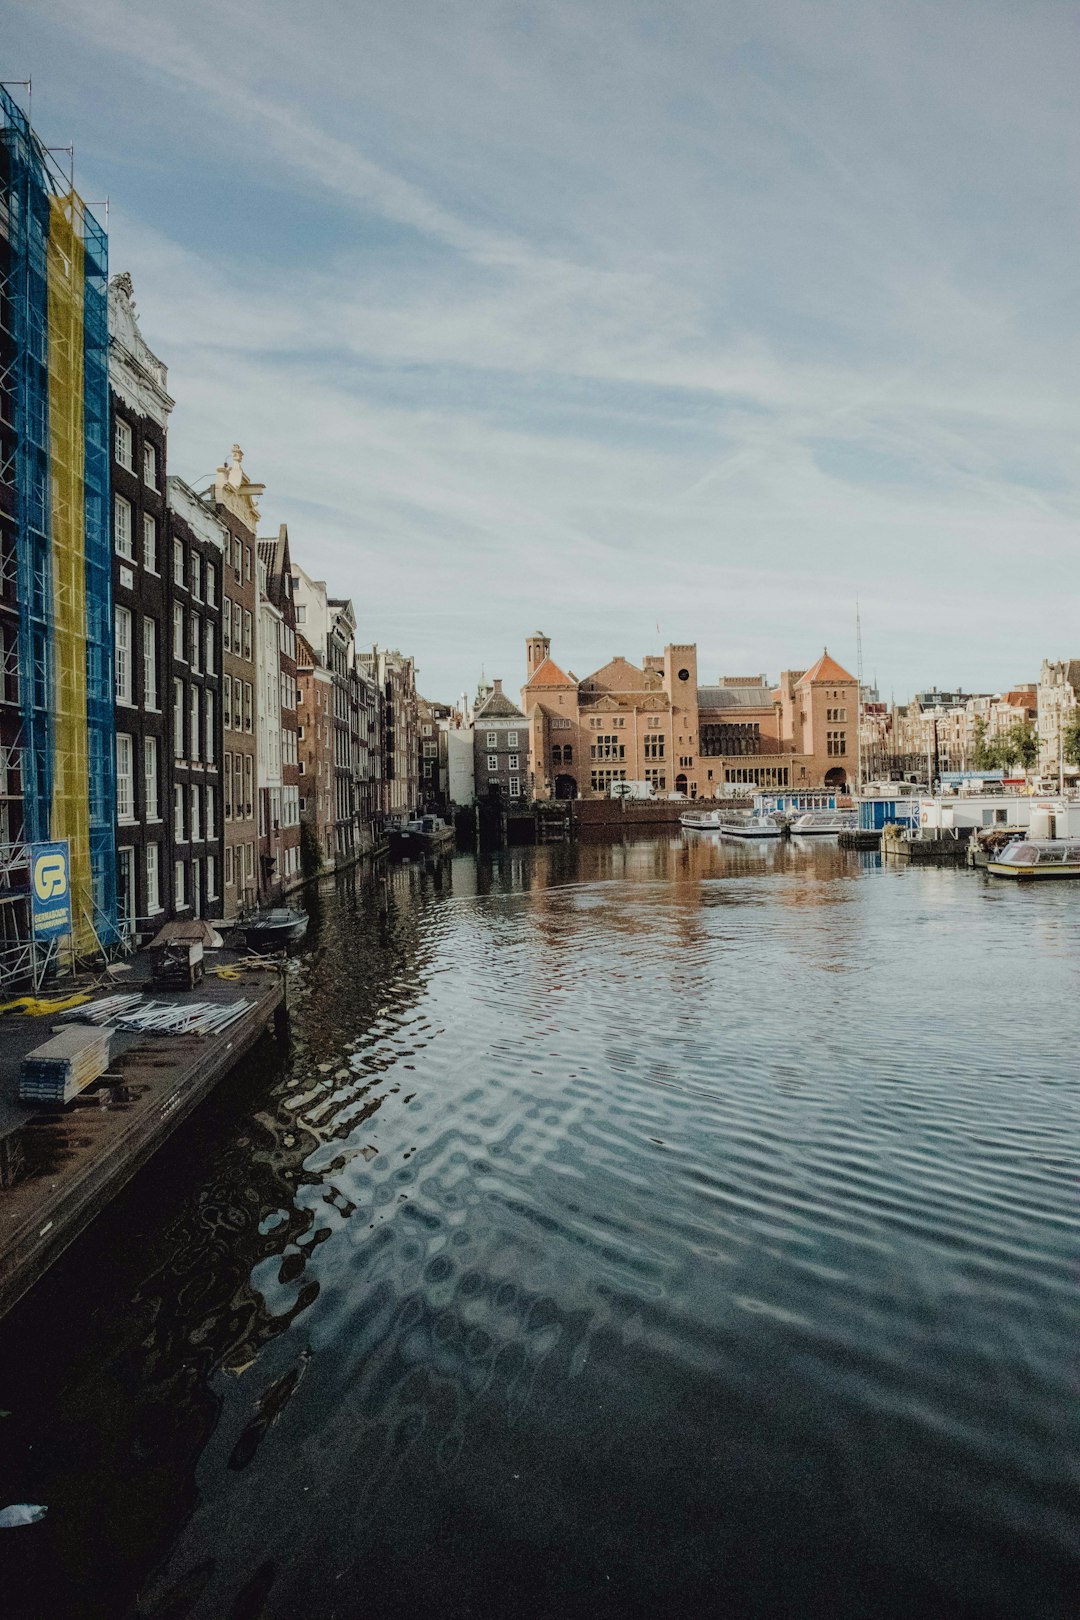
[235, 503]
[196, 548]
[142, 607]
[315, 742]
[277, 750]
[500, 747]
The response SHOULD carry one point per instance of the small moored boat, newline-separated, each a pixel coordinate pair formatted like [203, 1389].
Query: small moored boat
[420, 836]
[275, 927]
[756, 827]
[1030, 858]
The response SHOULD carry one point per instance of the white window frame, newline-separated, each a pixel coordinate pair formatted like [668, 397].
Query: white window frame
[151, 779]
[149, 464]
[122, 675]
[149, 663]
[125, 778]
[153, 880]
[122, 541]
[123, 441]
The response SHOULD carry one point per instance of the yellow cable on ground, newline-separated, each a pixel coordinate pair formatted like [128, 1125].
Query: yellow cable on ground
[38, 1007]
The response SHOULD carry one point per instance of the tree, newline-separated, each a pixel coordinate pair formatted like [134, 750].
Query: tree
[981, 750]
[1070, 743]
[1023, 743]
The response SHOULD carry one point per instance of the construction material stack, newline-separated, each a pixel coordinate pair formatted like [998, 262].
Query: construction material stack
[64, 1066]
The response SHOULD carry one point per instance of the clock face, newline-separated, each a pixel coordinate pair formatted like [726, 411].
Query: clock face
[684, 674]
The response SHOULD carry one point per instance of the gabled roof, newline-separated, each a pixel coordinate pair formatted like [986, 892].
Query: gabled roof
[498, 707]
[617, 675]
[825, 670]
[712, 698]
[549, 674]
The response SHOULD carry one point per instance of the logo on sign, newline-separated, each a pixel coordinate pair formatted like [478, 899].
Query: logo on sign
[50, 890]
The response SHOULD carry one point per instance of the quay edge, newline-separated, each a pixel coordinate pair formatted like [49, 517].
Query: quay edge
[60, 1167]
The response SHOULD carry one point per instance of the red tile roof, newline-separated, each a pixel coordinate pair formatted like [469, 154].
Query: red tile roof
[548, 674]
[826, 669]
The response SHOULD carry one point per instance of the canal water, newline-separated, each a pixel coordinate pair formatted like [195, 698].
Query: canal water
[666, 1227]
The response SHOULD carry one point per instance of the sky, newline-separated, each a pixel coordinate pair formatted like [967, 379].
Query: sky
[632, 321]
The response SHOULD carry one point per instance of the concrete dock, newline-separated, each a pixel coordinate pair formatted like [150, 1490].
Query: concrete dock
[59, 1166]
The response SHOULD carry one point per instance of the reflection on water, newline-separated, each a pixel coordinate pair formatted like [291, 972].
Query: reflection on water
[664, 1224]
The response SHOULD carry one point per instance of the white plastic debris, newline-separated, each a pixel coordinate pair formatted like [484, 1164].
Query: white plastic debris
[21, 1513]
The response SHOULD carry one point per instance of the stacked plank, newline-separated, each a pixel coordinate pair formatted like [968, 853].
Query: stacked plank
[59, 1070]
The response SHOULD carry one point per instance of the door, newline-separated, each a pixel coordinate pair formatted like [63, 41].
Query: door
[125, 889]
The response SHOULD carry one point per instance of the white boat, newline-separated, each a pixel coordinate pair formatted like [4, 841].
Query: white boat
[823, 823]
[1030, 858]
[712, 820]
[755, 827]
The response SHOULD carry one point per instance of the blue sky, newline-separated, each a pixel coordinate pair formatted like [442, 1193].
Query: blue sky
[605, 316]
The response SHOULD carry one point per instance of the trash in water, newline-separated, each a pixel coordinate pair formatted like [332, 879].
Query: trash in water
[21, 1513]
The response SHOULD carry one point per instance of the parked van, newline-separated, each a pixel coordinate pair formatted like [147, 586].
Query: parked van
[632, 790]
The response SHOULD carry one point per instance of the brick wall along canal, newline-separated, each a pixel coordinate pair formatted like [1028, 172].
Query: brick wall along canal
[648, 1228]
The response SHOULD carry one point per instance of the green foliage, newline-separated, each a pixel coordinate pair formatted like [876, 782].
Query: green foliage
[1071, 743]
[1017, 746]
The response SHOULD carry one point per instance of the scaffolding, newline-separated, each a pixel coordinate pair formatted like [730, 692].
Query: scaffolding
[56, 713]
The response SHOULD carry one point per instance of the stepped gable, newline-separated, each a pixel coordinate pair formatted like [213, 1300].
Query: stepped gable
[617, 675]
[548, 674]
[826, 670]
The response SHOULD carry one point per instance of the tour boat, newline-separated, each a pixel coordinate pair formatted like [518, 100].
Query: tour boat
[712, 820]
[275, 927]
[822, 823]
[1029, 858]
[755, 827]
[421, 836]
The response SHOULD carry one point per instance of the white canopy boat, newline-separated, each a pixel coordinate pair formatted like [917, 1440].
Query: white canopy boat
[713, 820]
[823, 823]
[755, 827]
[1029, 858]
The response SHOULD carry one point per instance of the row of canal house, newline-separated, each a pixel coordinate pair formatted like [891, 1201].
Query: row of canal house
[243, 709]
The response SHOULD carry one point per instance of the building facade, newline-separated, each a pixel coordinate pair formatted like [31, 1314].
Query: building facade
[1057, 703]
[142, 578]
[500, 748]
[276, 722]
[235, 502]
[394, 675]
[315, 742]
[193, 759]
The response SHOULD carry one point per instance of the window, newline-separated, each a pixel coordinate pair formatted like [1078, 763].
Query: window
[247, 561]
[178, 813]
[211, 584]
[122, 445]
[511, 739]
[179, 875]
[149, 542]
[195, 642]
[247, 706]
[238, 558]
[431, 750]
[493, 762]
[301, 613]
[177, 563]
[196, 887]
[196, 818]
[835, 714]
[153, 878]
[601, 780]
[427, 731]
[150, 779]
[122, 655]
[178, 632]
[515, 787]
[196, 576]
[226, 624]
[608, 747]
[228, 786]
[247, 634]
[228, 866]
[493, 739]
[835, 743]
[226, 702]
[211, 877]
[238, 698]
[149, 465]
[512, 763]
[149, 648]
[211, 813]
[208, 727]
[125, 787]
[193, 741]
[238, 629]
[654, 747]
[122, 527]
[211, 654]
[178, 718]
[249, 789]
